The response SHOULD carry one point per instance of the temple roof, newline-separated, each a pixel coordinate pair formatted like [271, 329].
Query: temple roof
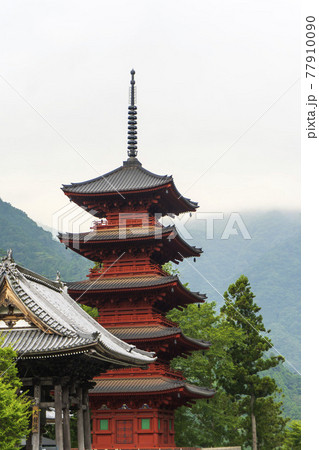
[34, 341]
[130, 177]
[151, 385]
[131, 283]
[51, 321]
[153, 332]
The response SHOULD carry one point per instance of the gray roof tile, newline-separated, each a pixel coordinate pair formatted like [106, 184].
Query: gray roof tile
[121, 283]
[34, 341]
[131, 176]
[167, 233]
[152, 332]
[128, 283]
[147, 385]
[67, 324]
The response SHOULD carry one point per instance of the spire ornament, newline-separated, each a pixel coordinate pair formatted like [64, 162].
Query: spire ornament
[132, 120]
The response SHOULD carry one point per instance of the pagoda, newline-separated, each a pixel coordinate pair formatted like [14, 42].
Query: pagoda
[134, 407]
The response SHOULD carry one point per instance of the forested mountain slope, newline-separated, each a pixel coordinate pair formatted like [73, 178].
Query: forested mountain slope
[35, 249]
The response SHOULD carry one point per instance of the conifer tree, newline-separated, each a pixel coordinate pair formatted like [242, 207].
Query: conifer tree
[293, 436]
[215, 421]
[247, 384]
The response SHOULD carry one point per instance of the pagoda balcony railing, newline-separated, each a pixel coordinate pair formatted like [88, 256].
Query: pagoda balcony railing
[126, 220]
[128, 268]
[111, 319]
[153, 370]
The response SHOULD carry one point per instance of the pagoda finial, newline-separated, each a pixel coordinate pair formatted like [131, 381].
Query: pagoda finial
[132, 112]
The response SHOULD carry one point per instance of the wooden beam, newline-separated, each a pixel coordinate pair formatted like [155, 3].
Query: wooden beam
[44, 405]
[87, 420]
[45, 381]
[66, 418]
[80, 424]
[43, 420]
[58, 416]
[36, 417]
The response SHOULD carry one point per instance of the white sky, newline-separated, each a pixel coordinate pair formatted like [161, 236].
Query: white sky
[205, 71]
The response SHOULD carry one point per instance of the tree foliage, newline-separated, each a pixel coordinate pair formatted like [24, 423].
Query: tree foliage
[235, 366]
[293, 436]
[14, 406]
[256, 393]
[216, 421]
[92, 311]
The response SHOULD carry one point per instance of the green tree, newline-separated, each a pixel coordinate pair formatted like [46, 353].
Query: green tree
[216, 421]
[293, 436]
[93, 312]
[14, 406]
[246, 383]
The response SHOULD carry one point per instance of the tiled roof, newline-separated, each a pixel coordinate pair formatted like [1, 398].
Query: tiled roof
[128, 283]
[143, 332]
[153, 332]
[147, 385]
[168, 233]
[116, 234]
[131, 176]
[33, 340]
[121, 283]
[67, 326]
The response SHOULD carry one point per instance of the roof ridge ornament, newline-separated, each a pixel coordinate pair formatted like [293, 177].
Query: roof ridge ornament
[59, 281]
[8, 258]
[132, 120]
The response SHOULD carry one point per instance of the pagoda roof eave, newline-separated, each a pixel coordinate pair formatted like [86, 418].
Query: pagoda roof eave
[165, 234]
[133, 284]
[186, 205]
[148, 386]
[156, 333]
[131, 178]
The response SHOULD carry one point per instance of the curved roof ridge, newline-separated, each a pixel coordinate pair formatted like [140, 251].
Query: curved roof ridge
[79, 183]
[148, 172]
[34, 276]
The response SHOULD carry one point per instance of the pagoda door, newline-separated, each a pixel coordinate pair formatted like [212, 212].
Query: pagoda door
[124, 431]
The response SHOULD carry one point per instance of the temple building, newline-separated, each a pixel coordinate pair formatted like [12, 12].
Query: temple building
[133, 407]
[60, 349]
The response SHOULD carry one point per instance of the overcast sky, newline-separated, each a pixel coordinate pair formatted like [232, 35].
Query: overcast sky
[213, 78]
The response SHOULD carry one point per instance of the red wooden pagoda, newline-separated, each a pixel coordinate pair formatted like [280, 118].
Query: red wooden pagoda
[134, 408]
